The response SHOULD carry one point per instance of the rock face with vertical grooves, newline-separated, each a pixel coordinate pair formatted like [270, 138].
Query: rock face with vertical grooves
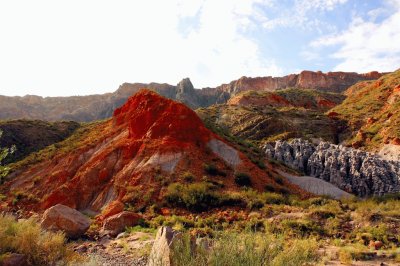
[352, 170]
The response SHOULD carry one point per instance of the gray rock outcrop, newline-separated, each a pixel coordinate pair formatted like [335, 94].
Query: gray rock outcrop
[352, 170]
[161, 253]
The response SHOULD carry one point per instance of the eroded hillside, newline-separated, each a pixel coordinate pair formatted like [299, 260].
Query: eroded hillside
[32, 135]
[131, 159]
[372, 112]
[284, 114]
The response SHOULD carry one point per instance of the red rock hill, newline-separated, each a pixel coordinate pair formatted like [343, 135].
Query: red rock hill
[131, 158]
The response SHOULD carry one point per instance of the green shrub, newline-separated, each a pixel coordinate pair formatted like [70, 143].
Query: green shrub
[251, 198]
[174, 220]
[194, 197]
[213, 170]
[278, 179]
[387, 197]
[322, 214]
[269, 188]
[283, 191]
[139, 228]
[188, 177]
[2, 197]
[210, 169]
[301, 228]
[274, 198]
[298, 252]
[242, 179]
[379, 232]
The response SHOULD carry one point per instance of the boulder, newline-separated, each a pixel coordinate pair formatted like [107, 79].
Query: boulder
[376, 244]
[117, 223]
[111, 209]
[66, 219]
[161, 252]
[13, 259]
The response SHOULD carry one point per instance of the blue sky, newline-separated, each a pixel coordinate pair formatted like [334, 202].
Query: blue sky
[60, 48]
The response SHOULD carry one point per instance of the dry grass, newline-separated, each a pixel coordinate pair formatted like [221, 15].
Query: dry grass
[230, 248]
[40, 247]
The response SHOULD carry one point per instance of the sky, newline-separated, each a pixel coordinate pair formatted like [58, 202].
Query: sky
[81, 47]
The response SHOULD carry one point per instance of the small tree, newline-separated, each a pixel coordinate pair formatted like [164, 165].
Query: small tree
[4, 152]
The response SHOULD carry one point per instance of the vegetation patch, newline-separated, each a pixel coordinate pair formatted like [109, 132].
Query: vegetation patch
[243, 180]
[40, 247]
[237, 249]
[195, 197]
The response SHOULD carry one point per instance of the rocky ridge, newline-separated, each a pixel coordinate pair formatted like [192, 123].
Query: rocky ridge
[288, 98]
[33, 135]
[331, 81]
[97, 107]
[372, 114]
[352, 170]
[282, 114]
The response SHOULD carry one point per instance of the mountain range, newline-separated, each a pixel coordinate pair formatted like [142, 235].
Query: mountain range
[96, 107]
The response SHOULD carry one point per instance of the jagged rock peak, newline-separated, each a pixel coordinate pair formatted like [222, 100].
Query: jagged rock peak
[352, 170]
[184, 86]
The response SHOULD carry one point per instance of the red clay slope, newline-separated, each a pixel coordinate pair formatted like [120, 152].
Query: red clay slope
[131, 158]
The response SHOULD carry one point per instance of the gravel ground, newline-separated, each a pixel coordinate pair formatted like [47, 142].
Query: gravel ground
[129, 249]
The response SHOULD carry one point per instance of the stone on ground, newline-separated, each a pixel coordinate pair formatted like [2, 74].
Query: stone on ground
[66, 219]
[117, 223]
[161, 253]
[13, 259]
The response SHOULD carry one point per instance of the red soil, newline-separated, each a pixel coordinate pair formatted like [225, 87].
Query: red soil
[396, 141]
[150, 116]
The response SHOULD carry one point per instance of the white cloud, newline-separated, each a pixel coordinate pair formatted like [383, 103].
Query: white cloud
[81, 47]
[302, 14]
[366, 45]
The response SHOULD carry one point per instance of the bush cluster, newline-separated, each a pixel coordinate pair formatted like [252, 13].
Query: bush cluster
[211, 169]
[195, 197]
[242, 179]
